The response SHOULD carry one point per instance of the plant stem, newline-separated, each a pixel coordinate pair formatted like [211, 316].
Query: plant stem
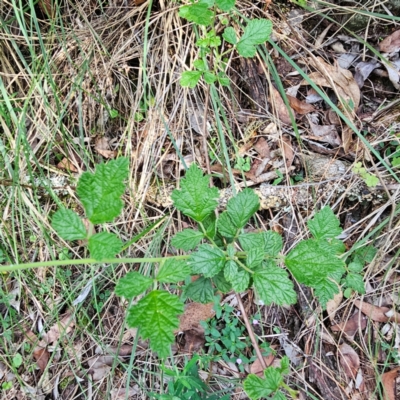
[57, 263]
[250, 331]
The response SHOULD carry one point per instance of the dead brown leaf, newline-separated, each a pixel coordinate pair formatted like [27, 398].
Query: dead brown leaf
[67, 165]
[287, 150]
[389, 384]
[64, 326]
[391, 43]
[325, 133]
[347, 137]
[279, 106]
[102, 146]
[300, 106]
[194, 340]
[42, 356]
[378, 314]
[357, 322]
[262, 148]
[256, 367]
[333, 304]
[349, 360]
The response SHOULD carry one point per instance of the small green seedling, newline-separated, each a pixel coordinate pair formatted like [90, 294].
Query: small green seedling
[243, 164]
[205, 14]
[369, 179]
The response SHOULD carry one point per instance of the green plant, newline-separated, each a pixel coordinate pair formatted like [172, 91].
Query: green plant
[370, 179]
[243, 164]
[205, 14]
[225, 257]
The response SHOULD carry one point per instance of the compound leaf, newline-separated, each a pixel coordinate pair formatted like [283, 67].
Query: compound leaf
[173, 271]
[274, 286]
[187, 240]
[313, 260]
[132, 284]
[156, 315]
[197, 13]
[230, 35]
[325, 224]
[240, 281]
[68, 225]
[207, 260]
[200, 290]
[100, 192]
[249, 240]
[242, 207]
[190, 78]
[256, 32]
[325, 290]
[104, 245]
[195, 199]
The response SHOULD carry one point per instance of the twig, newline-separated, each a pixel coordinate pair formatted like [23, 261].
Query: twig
[250, 331]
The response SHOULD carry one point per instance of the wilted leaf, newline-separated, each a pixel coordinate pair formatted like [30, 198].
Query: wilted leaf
[378, 314]
[389, 384]
[102, 147]
[349, 360]
[357, 322]
[257, 368]
[391, 43]
[279, 106]
[325, 133]
[333, 304]
[300, 106]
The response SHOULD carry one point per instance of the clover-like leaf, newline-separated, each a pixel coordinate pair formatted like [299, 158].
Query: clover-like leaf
[197, 13]
[100, 192]
[195, 199]
[313, 260]
[207, 260]
[256, 32]
[242, 207]
[173, 271]
[104, 245]
[132, 284]
[325, 224]
[230, 35]
[187, 239]
[156, 315]
[200, 290]
[274, 286]
[190, 78]
[68, 225]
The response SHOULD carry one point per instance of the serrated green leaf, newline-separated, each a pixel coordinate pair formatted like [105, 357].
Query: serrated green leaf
[221, 283]
[325, 290]
[225, 226]
[356, 282]
[187, 240]
[132, 284]
[197, 13]
[200, 65]
[366, 254]
[210, 225]
[230, 270]
[209, 78]
[211, 40]
[249, 240]
[337, 245]
[325, 224]
[256, 32]
[255, 256]
[68, 225]
[207, 260]
[190, 78]
[242, 207]
[201, 290]
[285, 365]
[195, 199]
[273, 243]
[104, 245]
[278, 396]
[157, 317]
[173, 271]
[225, 5]
[240, 281]
[230, 35]
[100, 193]
[257, 388]
[223, 79]
[313, 260]
[274, 286]
[355, 266]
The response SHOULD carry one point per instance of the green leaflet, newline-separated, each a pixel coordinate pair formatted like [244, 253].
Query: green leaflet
[230, 35]
[197, 13]
[68, 225]
[269, 240]
[173, 271]
[187, 239]
[104, 245]
[325, 224]
[195, 199]
[242, 207]
[157, 317]
[200, 290]
[325, 290]
[355, 282]
[190, 78]
[225, 5]
[256, 32]
[230, 270]
[225, 226]
[313, 260]
[132, 284]
[240, 281]
[255, 257]
[207, 260]
[257, 388]
[274, 286]
[100, 193]
[221, 283]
